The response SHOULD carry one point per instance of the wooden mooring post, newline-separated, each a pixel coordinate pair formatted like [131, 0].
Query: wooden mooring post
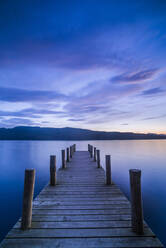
[63, 159]
[70, 151]
[98, 158]
[88, 148]
[68, 155]
[52, 170]
[91, 152]
[94, 154]
[136, 201]
[108, 169]
[29, 182]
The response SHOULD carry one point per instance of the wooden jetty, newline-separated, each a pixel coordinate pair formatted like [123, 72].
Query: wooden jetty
[84, 209]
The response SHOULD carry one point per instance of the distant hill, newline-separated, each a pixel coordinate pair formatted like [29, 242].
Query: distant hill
[67, 133]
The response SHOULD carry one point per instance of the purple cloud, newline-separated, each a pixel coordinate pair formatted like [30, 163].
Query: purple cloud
[21, 95]
[32, 113]
[134, 77]
[12, 122]
[153, 91]
[76, 120]
[154, 117]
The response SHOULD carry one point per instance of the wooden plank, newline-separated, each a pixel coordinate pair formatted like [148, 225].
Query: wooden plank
[81, 212]
[68, 190]
[79, 188]
[78, 203]
[106, 190]
[86, 217]
[82, 194]
[80, 207]
[82, 224]
[76, 233]
[132, 242]
[77, 197]
[95, 189]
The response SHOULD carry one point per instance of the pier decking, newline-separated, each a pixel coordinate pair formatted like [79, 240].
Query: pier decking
[80, 211]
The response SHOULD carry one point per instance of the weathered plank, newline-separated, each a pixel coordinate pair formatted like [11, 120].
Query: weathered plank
[65, 202]
[123, 242]
[82, 218]
[80, 207]
[76, 233]
[81, 212]
[85, 224]
[86, 197]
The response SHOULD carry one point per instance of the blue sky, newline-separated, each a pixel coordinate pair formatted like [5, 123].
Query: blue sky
[89, 64]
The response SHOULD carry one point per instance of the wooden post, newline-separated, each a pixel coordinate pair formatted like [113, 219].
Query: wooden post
[108, 169]
[98, 158]
[94, 154]
[136, 201]
[68, 155]
[74, 147]
[70, 151]
[90, 148]
[63, 160]
[52, 170]
[29, 182]
[91, 151]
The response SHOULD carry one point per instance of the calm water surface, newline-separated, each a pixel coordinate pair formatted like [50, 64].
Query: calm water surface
[149, 156]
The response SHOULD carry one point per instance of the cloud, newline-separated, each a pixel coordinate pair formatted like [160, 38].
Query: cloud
[94, 103]
[76, 120]
[12, 122]
[21, 95]
[93, 49]
[154, 117]
[100, 102]
[134, 77]
[32, 113]
[153, 91]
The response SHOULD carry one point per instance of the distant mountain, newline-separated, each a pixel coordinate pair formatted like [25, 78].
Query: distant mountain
[67, 133]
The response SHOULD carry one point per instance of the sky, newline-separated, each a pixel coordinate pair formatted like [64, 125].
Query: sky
[91, 64]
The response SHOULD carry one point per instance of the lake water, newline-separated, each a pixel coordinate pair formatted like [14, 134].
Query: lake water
[148, 155]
